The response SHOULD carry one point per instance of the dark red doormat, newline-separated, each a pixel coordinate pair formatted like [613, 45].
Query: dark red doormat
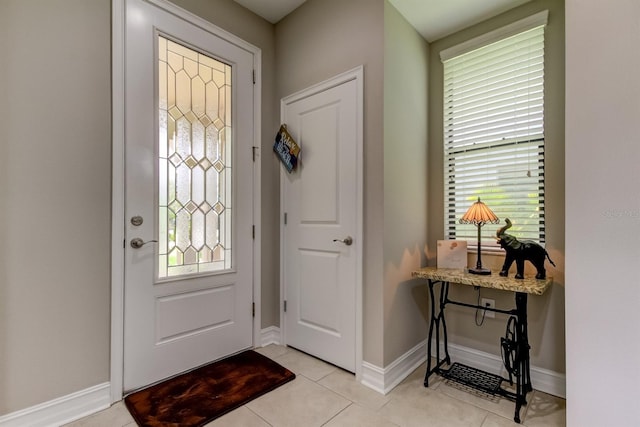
[206, 393]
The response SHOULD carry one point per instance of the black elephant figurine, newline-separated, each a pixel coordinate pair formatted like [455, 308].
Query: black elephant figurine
[519, 251]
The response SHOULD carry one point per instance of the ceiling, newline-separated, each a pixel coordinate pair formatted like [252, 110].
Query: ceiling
[433, 19]
[271, 10]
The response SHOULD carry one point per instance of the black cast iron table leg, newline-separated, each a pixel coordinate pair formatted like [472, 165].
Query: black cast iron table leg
[523, 384]
[432, 322]
[437, 320]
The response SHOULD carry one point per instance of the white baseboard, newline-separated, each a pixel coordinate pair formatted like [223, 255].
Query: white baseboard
[93, 399]
[373, 377]
[385, 379]
[62, 410]
[270, 335]
[83, 403]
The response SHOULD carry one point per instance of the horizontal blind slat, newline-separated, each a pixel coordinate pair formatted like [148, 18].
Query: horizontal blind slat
[494, 134]
[465, 102]
[466, 75]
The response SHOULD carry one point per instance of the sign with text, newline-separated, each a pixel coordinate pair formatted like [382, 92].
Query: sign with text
[286, 149]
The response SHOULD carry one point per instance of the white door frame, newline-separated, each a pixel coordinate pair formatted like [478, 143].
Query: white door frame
[356, 74]
[118, 189]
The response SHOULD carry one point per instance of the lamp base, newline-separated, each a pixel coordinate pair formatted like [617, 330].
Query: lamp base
[482, 271]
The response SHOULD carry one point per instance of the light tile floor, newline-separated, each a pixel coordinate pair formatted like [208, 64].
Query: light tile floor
[323, 395]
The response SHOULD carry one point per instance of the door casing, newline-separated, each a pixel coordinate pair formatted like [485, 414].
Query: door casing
[356, 74]
[118, 187]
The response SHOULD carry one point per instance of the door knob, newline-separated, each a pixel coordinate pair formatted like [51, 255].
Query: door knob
[347, 240]
[137, 243]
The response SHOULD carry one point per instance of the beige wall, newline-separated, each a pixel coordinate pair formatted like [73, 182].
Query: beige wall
[55, 179]
[55, 190]
[55, 197]
[546, 313]
[603, 212]
[55, 200]
[319, 40]
[406, 58]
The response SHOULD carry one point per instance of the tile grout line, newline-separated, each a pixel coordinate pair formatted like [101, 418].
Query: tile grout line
[256, 414]
[484, 420]
[339, 412]
[533, 409]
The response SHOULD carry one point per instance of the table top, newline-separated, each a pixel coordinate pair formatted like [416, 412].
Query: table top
[529, 285]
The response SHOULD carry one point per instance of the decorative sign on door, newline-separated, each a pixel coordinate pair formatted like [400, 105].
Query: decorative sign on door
[287, 149]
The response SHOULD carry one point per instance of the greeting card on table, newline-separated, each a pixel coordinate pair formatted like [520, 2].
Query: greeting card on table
[452, 254]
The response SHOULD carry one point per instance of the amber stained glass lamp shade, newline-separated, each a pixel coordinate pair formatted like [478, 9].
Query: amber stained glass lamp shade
[479, 214]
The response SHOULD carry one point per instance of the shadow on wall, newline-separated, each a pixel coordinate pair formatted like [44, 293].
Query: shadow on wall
[406, 305]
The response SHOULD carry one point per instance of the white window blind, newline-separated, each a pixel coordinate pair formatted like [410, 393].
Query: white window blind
[494, 135]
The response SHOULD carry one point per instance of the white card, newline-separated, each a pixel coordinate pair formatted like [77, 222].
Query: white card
[452, 254]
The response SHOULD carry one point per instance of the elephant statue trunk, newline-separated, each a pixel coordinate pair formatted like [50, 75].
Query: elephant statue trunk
[504, 228]
[519, 251]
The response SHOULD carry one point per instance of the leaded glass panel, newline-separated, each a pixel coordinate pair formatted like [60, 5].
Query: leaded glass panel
[194, 161]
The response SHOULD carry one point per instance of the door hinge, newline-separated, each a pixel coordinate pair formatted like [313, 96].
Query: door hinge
[253, 309]
[253, 231]
[285, 218]
[253, 153]
[254, 76]
[285, 306]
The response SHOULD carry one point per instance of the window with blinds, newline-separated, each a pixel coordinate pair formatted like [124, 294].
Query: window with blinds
[494, 135]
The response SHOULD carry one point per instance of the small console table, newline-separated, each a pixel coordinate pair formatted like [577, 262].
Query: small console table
[515, 345]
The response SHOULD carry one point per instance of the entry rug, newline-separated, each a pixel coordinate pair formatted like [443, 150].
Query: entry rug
[204, 394]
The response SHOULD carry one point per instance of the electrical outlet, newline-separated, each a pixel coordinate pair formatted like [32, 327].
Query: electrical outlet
[490, 303]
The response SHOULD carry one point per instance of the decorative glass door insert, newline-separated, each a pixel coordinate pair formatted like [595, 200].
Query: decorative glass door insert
[194, 180]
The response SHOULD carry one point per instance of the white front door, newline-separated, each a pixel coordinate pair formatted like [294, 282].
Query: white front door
[188, 196]
[322, 239]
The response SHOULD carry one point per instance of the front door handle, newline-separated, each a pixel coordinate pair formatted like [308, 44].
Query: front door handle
[137, 243]
[347, 240]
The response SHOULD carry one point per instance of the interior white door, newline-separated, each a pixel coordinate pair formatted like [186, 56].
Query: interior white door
[321, 235]
[188, 203]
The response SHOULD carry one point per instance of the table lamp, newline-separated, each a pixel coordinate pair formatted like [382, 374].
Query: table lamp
[479, 214]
